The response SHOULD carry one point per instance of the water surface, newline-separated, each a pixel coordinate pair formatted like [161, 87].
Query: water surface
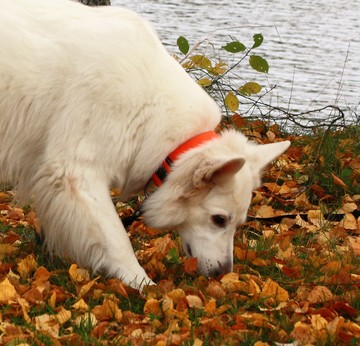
[313, 47]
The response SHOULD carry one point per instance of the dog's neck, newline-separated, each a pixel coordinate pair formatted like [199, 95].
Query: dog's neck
[165, 168]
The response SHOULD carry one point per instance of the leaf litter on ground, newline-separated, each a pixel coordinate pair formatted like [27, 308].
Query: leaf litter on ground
[296, 275]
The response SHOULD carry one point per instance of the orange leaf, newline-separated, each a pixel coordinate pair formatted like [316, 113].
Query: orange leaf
[339, 182]
[107, 311]
[42, 274]
[210, 307]
[273, 290]
[265, 211]
[152, 306]
[190, 265]
[86, 288]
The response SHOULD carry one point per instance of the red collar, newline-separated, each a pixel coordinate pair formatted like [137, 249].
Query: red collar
[159, 176]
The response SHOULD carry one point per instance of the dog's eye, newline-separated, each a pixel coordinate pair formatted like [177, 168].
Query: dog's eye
[219, 220]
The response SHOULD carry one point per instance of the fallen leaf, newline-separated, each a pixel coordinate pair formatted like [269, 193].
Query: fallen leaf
[319, 294]
[349, 222]
[190, 265]
[7, 292]
[7, 250]
[152, 306]
[107, 311]
[48, 324]
[273, 292]
[339, 182]
[354, 244]
[265, 211]
[86, 320]
[78, 274]
[87, 287]
[80, 305]
[27, 266]
[194, 301]
[63, 315]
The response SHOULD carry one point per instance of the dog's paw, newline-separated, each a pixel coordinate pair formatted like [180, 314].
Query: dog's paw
[140, 285]
[138, 281]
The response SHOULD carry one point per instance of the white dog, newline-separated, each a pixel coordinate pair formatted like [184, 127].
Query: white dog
[89, 100]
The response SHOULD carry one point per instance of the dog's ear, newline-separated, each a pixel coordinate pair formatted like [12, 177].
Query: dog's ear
[259, 156]
[216, 171]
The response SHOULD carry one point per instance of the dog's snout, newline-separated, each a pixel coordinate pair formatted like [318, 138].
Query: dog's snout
[223, 268]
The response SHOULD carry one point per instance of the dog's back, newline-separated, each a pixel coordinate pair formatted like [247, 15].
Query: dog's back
[66, 67]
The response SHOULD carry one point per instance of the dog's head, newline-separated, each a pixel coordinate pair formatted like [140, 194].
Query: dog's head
[207, 196]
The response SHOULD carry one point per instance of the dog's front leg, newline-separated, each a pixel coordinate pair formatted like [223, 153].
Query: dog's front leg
[80, 223]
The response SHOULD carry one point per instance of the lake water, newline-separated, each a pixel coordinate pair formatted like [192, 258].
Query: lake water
[313, 47]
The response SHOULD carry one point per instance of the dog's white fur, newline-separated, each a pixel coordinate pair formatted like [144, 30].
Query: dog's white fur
[90, 99]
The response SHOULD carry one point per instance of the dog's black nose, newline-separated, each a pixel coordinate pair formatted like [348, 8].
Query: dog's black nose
[223, 268]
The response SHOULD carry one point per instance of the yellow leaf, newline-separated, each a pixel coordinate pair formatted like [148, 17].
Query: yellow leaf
[354, 244]
[254, 288]
[349, 221]
[231, 101]
[194, 301]
[250, 88]
[197, 342]
[229, 277]
[260, 343]
[204, 82]
[63, 315]
[219, 68]
[25, 307]
[201, 61]
[78, 274]
[318, 322]
[348, 208]
[7, 250]
[86, 288]
[271, 135]
[167, 306]
[27, 266]
[87, 319]
[176, 294]
[81, 305]
[52, 300]
[47, 323]
[273, 290]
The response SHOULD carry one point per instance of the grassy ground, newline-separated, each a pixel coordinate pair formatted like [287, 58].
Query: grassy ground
[296, 277]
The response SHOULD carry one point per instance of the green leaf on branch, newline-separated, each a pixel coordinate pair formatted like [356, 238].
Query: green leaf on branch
[201, 61]
[259, 64]
[234, 47]
[231, 101]
[183, 45]
[250, 88]
[258, 40]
